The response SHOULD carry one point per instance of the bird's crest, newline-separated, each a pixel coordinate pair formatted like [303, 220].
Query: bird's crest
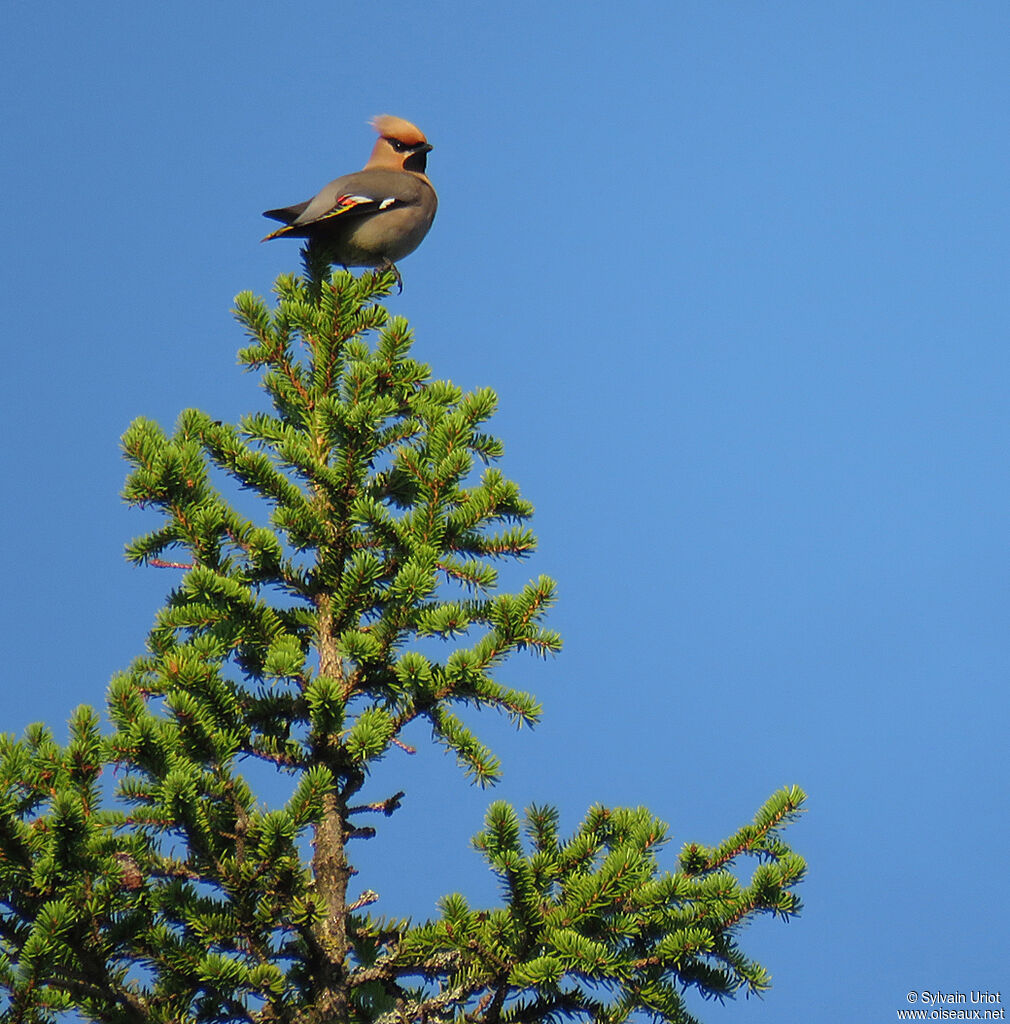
[390, 127]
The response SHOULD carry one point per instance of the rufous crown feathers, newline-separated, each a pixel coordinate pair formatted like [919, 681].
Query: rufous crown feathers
[390, 127]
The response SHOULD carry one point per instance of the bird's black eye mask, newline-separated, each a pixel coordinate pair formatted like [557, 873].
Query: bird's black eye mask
[400, 147]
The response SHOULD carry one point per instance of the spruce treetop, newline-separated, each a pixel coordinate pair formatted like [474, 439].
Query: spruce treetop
[141, 877]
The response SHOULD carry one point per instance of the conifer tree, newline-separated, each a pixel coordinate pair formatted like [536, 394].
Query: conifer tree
[143, 881]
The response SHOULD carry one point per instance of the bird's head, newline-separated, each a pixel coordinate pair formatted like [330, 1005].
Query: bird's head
[401, 146]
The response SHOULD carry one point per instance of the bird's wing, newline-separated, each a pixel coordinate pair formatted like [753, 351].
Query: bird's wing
[359, 194]
[346, 206]
[350, 197]
[349, 205]
[287, 213]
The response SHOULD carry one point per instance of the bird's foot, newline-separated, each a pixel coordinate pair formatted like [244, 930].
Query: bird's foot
[387, 264]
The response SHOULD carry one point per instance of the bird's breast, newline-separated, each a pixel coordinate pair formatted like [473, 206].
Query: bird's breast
[389, 234]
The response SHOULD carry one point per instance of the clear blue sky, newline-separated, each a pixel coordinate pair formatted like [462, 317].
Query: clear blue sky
[738, 273]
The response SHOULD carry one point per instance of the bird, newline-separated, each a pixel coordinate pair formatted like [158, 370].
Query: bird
[375, 216]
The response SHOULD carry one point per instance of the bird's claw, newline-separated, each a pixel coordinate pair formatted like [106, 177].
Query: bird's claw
[390, 265]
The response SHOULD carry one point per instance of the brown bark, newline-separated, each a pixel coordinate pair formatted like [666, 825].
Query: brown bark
[330, 866]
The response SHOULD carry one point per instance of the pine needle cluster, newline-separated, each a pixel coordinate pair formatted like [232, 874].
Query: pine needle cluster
[143, 881]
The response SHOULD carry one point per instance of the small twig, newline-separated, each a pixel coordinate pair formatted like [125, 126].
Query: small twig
[367, 897]
[386, 806]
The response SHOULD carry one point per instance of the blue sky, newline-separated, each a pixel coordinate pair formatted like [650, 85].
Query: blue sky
[738, 273]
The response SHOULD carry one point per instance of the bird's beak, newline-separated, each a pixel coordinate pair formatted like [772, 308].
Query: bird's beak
[426, 148]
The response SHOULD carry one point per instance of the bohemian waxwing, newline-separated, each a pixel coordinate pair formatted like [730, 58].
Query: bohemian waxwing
[376, 216]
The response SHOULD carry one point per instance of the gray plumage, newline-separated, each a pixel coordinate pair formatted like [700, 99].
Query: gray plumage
[376, 216]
